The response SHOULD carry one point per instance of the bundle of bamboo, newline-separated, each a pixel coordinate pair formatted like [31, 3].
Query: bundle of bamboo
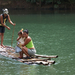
[37, 59]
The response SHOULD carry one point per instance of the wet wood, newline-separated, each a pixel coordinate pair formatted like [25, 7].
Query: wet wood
[33, 59]
[46, 56]
[37, 59]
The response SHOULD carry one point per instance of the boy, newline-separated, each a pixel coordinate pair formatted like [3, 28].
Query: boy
[20, 40]
[3, 19]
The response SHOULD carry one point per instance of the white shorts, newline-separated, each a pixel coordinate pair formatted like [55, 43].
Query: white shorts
[17, 49]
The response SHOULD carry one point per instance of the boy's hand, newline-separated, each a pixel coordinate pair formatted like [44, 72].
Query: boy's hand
[8, 28]
[19, 45]
[14, 24]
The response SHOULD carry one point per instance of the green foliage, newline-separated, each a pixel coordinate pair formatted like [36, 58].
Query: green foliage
[72, 1]
[48, 1]
[28, 0]
[59, 2]
[53, 1]
[33, 1]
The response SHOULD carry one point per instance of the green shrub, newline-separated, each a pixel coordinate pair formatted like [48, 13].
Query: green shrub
[28, 0]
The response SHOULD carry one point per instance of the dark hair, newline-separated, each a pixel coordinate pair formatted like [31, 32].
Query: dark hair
[26, 31]
[19, 33]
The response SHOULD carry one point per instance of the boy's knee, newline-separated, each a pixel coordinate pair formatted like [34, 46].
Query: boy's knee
[24, 48]
[1, 34]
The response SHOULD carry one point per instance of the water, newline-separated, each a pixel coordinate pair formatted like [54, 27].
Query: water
[52, 34]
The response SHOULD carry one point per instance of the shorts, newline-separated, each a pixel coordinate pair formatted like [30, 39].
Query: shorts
[2, 29]
[31, 52]
[17, 49]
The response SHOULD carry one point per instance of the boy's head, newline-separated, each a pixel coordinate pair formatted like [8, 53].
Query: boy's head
[19, 33]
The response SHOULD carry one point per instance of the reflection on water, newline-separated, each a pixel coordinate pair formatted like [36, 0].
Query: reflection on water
[12, 67]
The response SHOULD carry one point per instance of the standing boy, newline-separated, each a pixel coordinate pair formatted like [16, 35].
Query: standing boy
[3, 19]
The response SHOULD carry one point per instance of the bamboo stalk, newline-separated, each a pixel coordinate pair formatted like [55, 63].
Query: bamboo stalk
[30, 60]
[12, 35]
[46, 56]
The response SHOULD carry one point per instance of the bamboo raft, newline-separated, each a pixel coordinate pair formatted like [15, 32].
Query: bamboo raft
[37, 59]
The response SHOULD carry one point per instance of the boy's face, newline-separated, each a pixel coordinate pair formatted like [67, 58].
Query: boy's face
[5, 15]
[20, 35]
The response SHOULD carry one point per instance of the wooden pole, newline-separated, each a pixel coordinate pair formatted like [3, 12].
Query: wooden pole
[12, 35]
[46, 56]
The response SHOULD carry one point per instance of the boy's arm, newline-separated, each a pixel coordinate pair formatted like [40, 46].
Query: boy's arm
[11, 21]
[18, 38]
[3, 23]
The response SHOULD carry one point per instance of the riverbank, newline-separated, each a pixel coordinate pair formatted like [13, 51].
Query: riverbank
[24, 5]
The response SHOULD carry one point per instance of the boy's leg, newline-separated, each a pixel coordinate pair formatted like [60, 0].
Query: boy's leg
[2, 37]
[21, 54]
[2, 30]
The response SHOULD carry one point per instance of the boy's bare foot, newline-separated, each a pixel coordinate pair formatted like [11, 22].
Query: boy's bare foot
[2, 46]
[20, 57]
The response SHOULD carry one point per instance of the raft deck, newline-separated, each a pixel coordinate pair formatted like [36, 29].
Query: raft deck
[37, 59]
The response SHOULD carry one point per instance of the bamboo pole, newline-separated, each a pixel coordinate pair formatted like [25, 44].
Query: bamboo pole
[46, 56]
[12, 35]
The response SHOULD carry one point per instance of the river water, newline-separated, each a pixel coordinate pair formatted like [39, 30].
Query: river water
[52, 34]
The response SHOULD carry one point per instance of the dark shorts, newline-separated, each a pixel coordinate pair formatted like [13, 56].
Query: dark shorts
[2, 29]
